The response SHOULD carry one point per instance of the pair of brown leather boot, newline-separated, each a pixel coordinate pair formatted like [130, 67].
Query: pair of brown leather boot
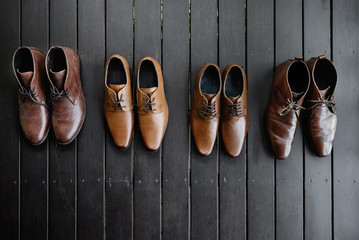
[152, 108]
[67, 103]
[309, 86]
[208, 107]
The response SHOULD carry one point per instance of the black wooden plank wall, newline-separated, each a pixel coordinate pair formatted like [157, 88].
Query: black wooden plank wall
[90, 189]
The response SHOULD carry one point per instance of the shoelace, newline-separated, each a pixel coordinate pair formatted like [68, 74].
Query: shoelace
[56, 94]
[322, 103]
[32, 95]
[117, 103]
[150, 103]
[235, 109]
[208, 111]
[290, 105]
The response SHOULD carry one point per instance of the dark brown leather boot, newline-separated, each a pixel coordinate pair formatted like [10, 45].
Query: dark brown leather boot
[234, 110]
[29, 70]
[118, 105]
[67, 99]
[152, 108]
[320, 114]
[205, 110]
[289, 88]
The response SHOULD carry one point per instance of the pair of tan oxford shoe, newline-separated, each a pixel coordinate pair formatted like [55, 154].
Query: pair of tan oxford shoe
[307, 86]
[213, 107]
[152, 108]
[59, 73]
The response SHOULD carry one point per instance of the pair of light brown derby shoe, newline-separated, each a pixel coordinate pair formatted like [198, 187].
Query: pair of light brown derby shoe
[152, 108]
[209, 107]
[302, 85]
[61, 69]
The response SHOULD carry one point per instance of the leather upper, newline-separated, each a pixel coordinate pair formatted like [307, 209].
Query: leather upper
[67, 99]
[152, 108]
[320, 113]
[284, 108]
[29, 70]
[234, 112]
[118, 104]
[204, 124]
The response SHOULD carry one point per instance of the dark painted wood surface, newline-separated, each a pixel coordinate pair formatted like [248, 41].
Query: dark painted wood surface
[90, 189]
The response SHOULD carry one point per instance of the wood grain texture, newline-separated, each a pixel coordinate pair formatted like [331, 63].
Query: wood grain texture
[119, 184]
[261, 165]
[9, 152]
[346, 151]
[232, 210]
[204, 170]
[63, 159]
[91, 142]
[289, 172]
[176, 144]
[317, 171]
[147, 165]
[34, 159]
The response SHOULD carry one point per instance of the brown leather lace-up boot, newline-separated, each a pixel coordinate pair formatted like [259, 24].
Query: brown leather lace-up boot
[29, 70]
[234, 110]
[289, 88]
[118, 105]
[67, 99]
[320, 114]
[152, 108]
[205, 110]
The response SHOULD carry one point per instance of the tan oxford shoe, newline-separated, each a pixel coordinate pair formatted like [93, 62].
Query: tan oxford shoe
[234, 110]
[118, 104]
[152, 108]
[205, 110]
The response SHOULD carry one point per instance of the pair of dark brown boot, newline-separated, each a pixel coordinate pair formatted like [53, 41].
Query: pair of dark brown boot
[208, 107]
[307, 86]
[59, 72]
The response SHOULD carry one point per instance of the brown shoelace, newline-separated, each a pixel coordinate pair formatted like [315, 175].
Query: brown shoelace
[149, 103]
[235, 109]
[208, 111]
[32, 95]
[56, 94]
[322, 103]
[290, 105]
[117, 103]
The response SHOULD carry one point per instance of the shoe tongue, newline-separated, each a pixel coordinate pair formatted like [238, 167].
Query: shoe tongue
[149, 90]
[208, 96]
[297, 96]
[234, 99]
[324, 92]
[116, 87]
[58, 78]
[25, 78]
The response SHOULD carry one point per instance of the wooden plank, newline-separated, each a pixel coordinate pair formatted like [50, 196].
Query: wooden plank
[176, 141]
[9, 153]
[318, 217]
[289, 173]
[119, 184]
[346, 165]
[147, 165]
[34, 159]
[233, 212]
[63, 159]
[261, 167]
[204, 170]
[91, 142]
